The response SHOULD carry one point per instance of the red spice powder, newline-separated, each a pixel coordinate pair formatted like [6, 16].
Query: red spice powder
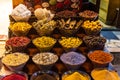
[14, 77]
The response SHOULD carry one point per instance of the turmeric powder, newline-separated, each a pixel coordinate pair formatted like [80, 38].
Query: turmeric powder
[104, 74]
[75, 76]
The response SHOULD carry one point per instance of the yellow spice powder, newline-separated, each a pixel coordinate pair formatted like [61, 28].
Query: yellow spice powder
[75, 76]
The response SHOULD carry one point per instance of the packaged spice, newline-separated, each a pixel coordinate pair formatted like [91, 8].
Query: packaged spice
[21, 13]
[41, 14]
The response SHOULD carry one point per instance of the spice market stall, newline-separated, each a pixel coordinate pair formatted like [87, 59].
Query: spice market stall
[54, 40]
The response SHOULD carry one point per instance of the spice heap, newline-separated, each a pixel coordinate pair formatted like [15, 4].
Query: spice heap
[92, 27]
[15, 59]
[17, 44]
[44, 43]
[44, 27]
[70, 42]
[17, 41]
[45, 58]
[75, 76]
[88, 14]
[101, 57]
[73, 58]
[66, 13]
[14, 77]
[94, 42]
[20, 28]
[104, 74]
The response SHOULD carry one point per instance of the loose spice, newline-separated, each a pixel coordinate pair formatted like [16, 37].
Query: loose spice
[73, 58]
[75, 76]
[15, 59]
[14, 77]
[104, 74]
[18, 41]
[100, 56]
[45, 58]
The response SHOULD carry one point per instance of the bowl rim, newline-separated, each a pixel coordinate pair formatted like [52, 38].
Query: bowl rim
[81, 41]
[9, 45]
[19, 73]
[33, 41]
[44, 71]
[19, 64]
[112, 57]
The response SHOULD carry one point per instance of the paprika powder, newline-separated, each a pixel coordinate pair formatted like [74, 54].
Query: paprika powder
[15, 77]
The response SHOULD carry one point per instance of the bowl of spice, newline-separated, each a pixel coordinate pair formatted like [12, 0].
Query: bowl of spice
[94, 42]
[45, 60]
[92, 27]
[17, 44]
[44, 43]
[72, 60]
[104, 74]
[44, 27]
[88, 15]
[19, 75]
[69, 27]
[15, 61]
[75, 75]
[45, 75]
[70, 43]
[20, 28]
[100, 59]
